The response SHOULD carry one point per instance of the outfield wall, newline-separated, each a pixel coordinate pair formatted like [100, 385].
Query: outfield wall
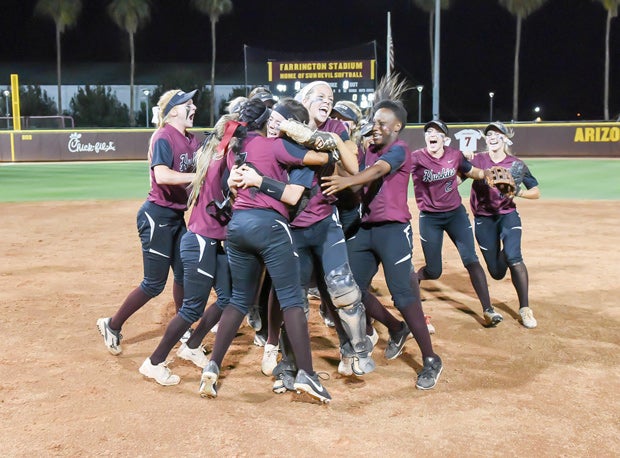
[582, 139]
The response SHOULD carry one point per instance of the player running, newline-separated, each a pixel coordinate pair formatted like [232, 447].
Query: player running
[498, 226]
[160, 220]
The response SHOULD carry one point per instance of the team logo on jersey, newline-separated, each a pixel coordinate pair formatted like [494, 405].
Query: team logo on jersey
[430, 175]
[186, 163]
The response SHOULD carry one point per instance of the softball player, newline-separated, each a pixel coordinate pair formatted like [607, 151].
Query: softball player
[319, 240]
[385, 235]
[204, 261]
[497, 222]
[259, 233]
[435, 170]
[160, 220]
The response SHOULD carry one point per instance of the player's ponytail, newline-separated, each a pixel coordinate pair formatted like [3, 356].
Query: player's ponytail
[210, 150]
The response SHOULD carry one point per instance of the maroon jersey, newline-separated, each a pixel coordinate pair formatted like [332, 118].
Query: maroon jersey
[435, 179]
[176, 151]
[487, 201]
[200, 221]
[385, 199]
[320, 206]
[270, 157]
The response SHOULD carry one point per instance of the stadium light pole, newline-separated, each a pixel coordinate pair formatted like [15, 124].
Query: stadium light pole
[491, 95]
[7, 93]
[146, 93]
[420, 88]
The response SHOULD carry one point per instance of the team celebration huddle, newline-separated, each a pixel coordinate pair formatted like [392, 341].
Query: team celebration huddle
[300, 194]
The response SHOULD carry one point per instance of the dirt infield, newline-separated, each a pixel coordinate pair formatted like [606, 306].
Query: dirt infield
[508, 391]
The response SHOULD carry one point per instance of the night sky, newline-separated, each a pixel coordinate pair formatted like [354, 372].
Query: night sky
[562, 48]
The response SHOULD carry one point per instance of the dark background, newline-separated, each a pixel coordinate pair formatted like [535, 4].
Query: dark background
[562, 47]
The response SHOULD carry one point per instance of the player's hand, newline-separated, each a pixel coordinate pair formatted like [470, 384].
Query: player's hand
[234, 178]
[248, 177]
[334, 183]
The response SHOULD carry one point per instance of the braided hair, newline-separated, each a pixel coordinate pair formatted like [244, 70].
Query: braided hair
[255, 114]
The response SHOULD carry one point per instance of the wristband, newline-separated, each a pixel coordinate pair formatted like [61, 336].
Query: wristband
[272, 188]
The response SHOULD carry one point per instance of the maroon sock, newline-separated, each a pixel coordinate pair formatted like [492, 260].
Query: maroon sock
[419, 275]
[134, 301]
[226, 331]
[414, 317]
[177, 295]
[176, 328]
[209, 318]
[520, 280]
[377, 310]
[479, 282]
[297, 331]
[274, 314]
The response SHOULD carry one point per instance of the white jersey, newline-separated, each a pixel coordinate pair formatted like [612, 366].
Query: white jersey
[468, 141]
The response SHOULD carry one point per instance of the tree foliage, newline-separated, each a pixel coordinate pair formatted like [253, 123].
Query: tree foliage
[214, 9]
[35, 102]
[521, 9]
[130, 15]
[97, 106]
[187, 81]
[64, 13]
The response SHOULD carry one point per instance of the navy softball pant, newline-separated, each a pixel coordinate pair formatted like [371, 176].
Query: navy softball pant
[391, 245]
[160, 230]
[499, 239]
[324, 242]
[458, 227]
[256, 237]
[205, 266]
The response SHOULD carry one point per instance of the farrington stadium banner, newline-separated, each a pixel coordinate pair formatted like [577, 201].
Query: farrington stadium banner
[352, 72]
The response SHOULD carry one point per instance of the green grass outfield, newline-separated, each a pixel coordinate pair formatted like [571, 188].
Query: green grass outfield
[581, 179]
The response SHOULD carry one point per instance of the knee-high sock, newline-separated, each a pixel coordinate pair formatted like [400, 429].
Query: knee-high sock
[177, 295]
[299, 337]
[520, 280]
[479, 282]
[419, 275]
[226, 331]
[176, 328]
[377, 310]
[134, 301]
[274, 314]
[209, 318]
[414, 317]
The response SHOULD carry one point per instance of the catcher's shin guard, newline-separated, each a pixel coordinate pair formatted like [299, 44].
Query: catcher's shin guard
[353, 318]
[347, 299]
[342, 287]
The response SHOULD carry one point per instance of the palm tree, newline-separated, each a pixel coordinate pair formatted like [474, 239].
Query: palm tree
[64, 13]
[429, 7]
[214, 9]
[521, 9]
[612, 11]
[130, 15]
